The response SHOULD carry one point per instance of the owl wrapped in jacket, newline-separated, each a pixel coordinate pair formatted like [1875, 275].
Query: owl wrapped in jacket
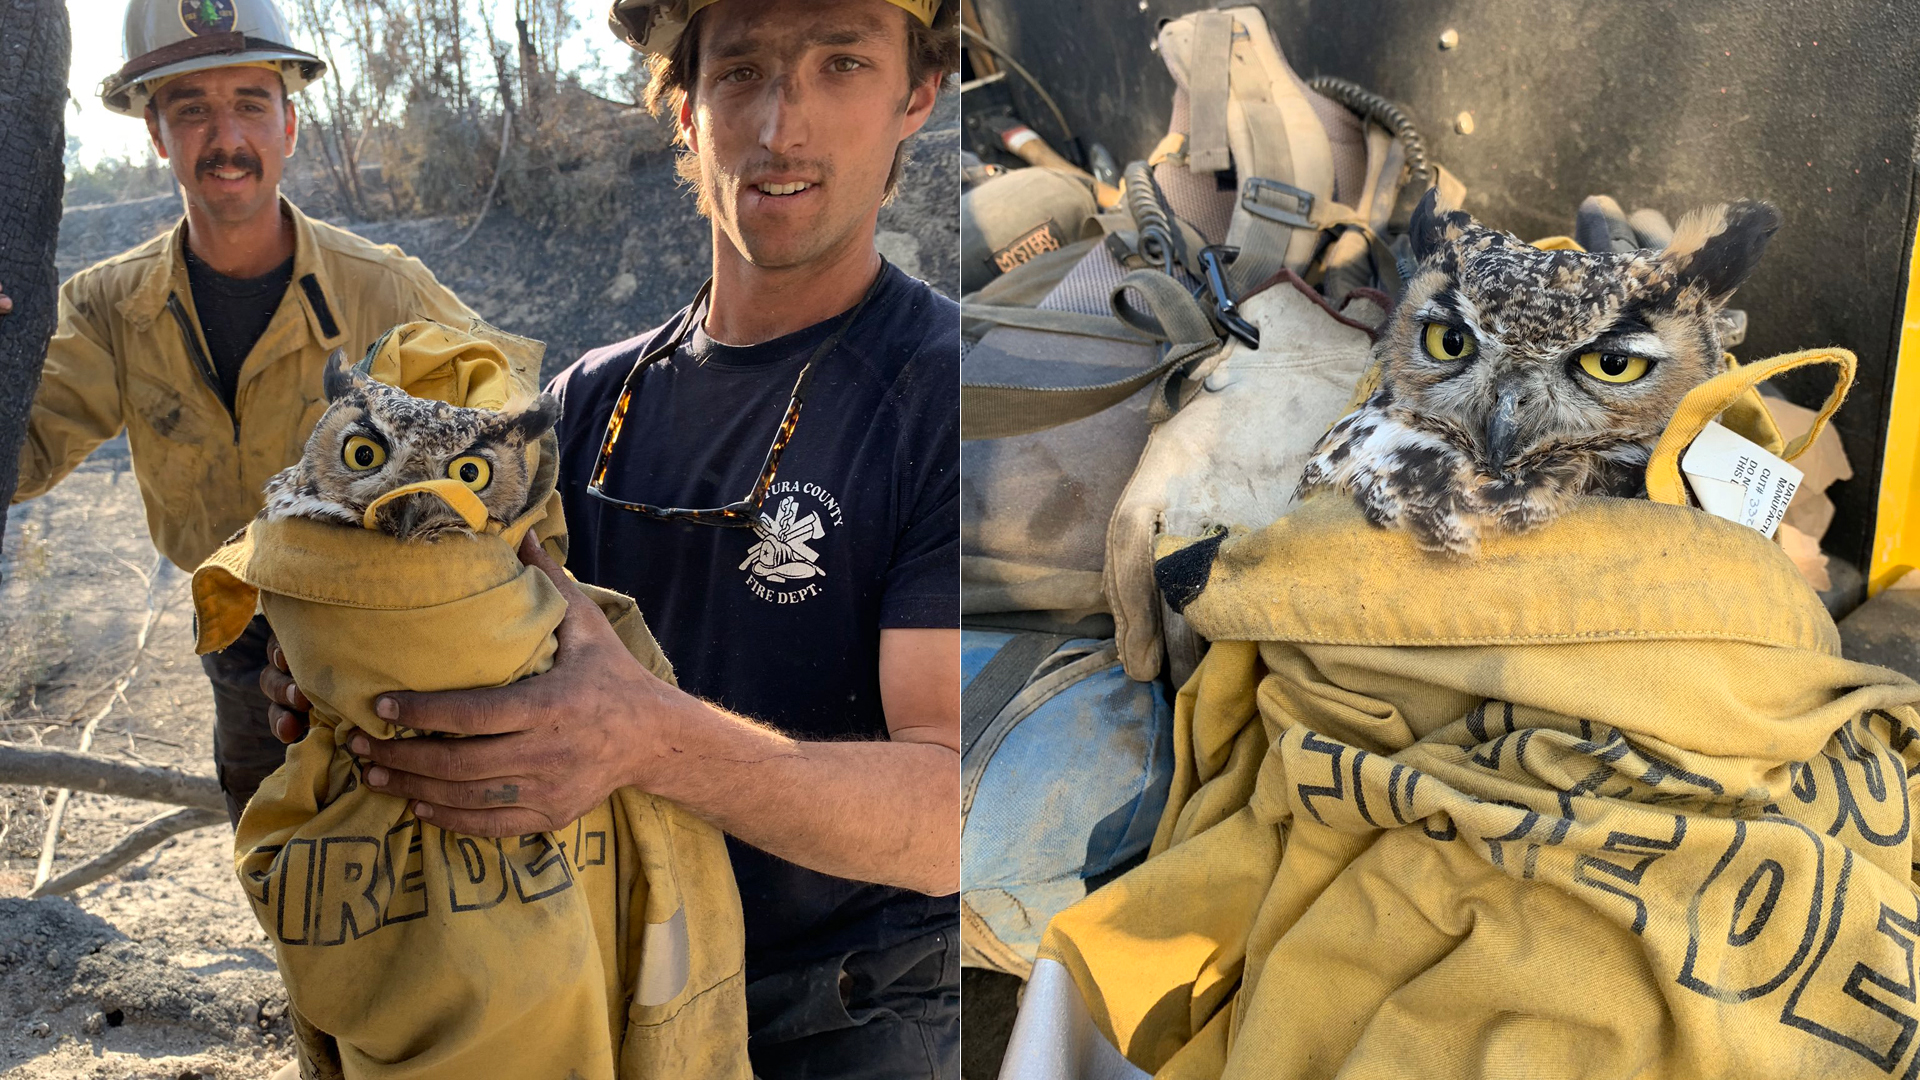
[375, 439]
[1514, 379]
[609, 948]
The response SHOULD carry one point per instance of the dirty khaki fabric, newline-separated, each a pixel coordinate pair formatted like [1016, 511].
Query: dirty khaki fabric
[612, 948]
[1222, 459]
[1604, 801]
[120, 359]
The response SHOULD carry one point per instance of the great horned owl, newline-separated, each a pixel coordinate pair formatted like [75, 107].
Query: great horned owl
[1512, 378]
[374, 438]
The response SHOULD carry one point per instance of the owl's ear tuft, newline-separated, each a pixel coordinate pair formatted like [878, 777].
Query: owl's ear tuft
[339, 377]
[1717, 249]
[1430, 226]
[536, 419]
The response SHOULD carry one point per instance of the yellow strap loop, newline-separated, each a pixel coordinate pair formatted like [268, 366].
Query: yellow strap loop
[1716, 395]
[1171, 148]
[1558, 243]
[452, 492]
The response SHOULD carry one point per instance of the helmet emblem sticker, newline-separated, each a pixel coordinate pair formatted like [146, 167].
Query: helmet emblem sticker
[207, 16]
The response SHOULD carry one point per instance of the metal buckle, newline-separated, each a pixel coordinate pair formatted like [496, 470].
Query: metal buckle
[1278, 202]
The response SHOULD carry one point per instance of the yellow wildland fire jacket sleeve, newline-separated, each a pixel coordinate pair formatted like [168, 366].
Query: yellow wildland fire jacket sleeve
[1602, 801]
[128, 354]
[609, 949]
[78, 404]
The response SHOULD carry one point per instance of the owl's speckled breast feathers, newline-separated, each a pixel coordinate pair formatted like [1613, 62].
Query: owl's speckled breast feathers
[374, 438]
[1513, 379]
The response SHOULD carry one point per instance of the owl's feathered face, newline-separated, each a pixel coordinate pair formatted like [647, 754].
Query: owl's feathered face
[375, 437]
[1513, 379]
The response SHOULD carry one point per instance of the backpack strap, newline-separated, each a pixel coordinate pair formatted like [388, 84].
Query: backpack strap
[1055, 321]
[1209, 89]
[998, 680]
[1172, 315]
[1356, 254]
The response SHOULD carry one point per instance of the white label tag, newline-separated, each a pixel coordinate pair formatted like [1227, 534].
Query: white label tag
[1015, 138]
[1737, 480]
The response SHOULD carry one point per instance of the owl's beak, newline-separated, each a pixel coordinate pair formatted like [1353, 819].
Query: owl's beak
[1503, 427]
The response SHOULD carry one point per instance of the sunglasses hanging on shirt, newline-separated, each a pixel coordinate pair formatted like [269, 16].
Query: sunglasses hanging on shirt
[745, 512]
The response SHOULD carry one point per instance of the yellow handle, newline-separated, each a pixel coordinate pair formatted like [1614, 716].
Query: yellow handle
[1716, 395]
[452, 492]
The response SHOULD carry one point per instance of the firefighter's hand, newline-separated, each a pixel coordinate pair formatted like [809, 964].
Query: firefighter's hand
[541, 752]
[6, 303]
[286, 705]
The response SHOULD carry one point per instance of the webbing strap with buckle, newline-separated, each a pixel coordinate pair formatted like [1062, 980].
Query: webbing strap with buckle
[1279, 147]
[1277, 202]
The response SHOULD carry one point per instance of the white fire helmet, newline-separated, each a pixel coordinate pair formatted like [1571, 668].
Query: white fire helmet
[164, 38]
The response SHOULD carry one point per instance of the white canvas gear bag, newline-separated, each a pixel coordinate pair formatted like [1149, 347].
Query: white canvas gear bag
[1228, 421]
[1232, 452]
[1252, 114]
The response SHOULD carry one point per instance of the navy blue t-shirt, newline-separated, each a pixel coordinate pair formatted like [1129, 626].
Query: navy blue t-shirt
[860, 531]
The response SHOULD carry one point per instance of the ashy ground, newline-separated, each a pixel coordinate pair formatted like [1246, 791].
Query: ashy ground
[159, 970]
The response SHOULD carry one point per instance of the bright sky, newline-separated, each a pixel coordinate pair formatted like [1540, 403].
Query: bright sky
[96, 54]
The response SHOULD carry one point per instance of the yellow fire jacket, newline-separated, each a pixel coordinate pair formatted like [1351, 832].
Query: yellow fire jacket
[612, 949]
[128, 353]
[1604, 801]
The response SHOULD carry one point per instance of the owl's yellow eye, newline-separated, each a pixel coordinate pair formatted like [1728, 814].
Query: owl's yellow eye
[1448, 342]
[362, 453]
[471, 470]
[1613, 367]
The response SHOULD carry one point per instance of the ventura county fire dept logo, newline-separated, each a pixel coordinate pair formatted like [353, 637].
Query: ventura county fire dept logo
[207, 16]
[782, 565]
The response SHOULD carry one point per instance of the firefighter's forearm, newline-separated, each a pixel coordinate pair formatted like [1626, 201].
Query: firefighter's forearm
[880, 811]
[543, 751]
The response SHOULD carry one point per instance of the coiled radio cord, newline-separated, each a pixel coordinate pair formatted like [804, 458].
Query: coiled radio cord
[1365, 102]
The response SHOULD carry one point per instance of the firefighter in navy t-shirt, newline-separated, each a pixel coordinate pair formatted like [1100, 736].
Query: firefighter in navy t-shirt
[774, 476]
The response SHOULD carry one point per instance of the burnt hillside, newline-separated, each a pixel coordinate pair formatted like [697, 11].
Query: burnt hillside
[582, 286]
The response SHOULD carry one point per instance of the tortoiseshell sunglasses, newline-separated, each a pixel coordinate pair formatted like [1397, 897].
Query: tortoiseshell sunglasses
[744, 513]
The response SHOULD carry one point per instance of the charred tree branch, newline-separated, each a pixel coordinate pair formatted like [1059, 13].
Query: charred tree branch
[106, 776]
[129, 848]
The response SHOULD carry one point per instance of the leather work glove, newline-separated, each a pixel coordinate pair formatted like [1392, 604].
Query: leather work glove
[1601, 225]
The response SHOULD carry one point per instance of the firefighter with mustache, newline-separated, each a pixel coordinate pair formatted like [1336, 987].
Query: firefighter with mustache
[206, 344]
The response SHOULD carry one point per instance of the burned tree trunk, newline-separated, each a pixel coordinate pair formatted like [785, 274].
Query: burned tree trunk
[33, 94]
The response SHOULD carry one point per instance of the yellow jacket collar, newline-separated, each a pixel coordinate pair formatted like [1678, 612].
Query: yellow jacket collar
[1608, 569]
[366, 569]
[168, 274]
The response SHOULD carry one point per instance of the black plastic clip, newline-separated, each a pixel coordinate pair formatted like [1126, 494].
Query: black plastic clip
[1226, 311]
